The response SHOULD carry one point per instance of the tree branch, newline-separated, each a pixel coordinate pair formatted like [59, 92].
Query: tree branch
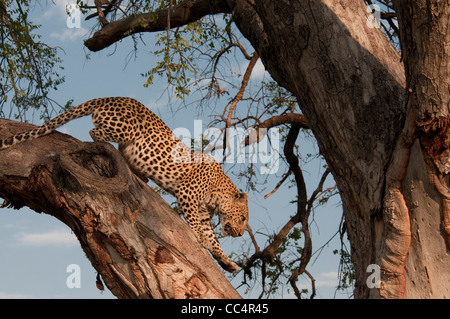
[290, 118]
[240, 94]
[302, 214]
[181, 14]
[133, 238]
[237, 98]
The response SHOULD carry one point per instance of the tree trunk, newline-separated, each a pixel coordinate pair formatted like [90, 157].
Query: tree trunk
[135, 240]
[350, 84]
[425, 38]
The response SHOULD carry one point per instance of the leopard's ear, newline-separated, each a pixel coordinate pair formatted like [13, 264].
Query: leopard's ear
[242, 197]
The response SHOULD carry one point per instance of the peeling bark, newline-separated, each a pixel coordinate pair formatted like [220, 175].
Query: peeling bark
[426, 266]
[133, 238]
[425, 34]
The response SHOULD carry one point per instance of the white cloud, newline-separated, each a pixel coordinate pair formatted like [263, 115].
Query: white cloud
[65, 28]
[259, 71]
[57, 10]
[327, 279]
[66, 34]
[57, 237]
[5, 295]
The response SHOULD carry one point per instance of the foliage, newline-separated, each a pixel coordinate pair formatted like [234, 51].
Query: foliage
[347, 272]
[176, 61]
[29, 68]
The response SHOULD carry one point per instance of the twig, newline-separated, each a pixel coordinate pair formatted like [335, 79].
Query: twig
[285, 176]
[239, 96]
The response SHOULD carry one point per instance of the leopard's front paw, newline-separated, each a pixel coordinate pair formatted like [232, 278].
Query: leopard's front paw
[229, 265]
[232, 267]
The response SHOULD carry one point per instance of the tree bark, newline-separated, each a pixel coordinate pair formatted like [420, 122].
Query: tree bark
[133, 238]
[425, 38]
[350, 84]
[181, 14]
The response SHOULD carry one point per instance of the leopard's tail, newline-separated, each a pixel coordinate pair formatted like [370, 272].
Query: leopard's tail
[71, 114]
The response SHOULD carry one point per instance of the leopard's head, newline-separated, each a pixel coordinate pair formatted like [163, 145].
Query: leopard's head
[234, 215]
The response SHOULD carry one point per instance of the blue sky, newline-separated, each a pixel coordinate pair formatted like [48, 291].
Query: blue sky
[36, 249]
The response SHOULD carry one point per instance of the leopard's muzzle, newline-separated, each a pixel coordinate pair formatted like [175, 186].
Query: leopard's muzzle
[228, 230]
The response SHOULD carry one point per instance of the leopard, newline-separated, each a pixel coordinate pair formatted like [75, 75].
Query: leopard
[153, 151]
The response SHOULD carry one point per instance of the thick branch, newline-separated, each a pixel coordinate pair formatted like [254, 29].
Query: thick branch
[138, 244]
[181, 14]
[290, 118]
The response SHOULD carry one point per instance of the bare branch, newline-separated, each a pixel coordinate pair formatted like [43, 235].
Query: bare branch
[290, 118]
[237, 98]
[100, 13]
[270, 250]
[181, 14]
[285, 176]
[240, 94]
[111, 5]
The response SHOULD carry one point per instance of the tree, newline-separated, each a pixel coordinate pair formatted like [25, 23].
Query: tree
[120, 222]
[28, 67]
[380, 120]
